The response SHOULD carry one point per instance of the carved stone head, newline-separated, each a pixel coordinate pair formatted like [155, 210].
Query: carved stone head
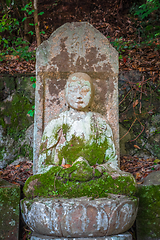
[79, 91]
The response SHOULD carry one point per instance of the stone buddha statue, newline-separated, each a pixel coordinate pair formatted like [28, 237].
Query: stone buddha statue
[78, 192]
[78, 146]
[78, 135]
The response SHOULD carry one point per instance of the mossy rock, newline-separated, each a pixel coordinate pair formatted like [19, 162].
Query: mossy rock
[58, 182]
[15, 112]
[9, 209]
[148, 218]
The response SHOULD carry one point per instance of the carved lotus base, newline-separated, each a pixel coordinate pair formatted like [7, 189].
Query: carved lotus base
[80, 217]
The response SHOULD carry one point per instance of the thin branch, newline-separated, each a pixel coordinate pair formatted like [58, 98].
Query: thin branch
[125, 96]
[140, 132]
[129, 129]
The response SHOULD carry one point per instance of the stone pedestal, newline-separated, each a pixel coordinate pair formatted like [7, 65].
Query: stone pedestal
[80, 218]
[9, 210]
[122, 236]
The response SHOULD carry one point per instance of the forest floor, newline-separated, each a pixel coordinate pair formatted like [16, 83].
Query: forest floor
[113, 20]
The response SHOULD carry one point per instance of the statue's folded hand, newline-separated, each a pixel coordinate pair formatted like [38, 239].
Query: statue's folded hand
[79, 171]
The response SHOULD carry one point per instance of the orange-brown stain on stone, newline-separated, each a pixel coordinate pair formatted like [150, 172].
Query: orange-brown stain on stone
[61, 62]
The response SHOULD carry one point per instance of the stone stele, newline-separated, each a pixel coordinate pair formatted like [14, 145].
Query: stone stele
[75, 47]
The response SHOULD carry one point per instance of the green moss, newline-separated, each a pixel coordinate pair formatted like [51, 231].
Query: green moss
[148, 218]
[65, 128]
[9, 209]
[51, 183]
[16, 114]
[83, 172]
[77, 147]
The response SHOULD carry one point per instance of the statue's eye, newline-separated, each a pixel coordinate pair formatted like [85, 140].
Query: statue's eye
[85, 89]
[72, 89]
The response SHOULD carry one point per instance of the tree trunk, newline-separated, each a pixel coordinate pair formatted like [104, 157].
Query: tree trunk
[27, 37]
[34, 3]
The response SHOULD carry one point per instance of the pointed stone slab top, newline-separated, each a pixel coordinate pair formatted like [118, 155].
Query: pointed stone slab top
[75, 47]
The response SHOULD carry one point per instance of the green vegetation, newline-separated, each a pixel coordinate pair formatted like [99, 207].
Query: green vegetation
[14, 39]
[147, 25]
[51, 184]
[13, 44]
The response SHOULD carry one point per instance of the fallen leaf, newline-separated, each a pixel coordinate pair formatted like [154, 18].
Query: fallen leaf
[157, 160]
[17, 166]
[137, 147]
[124, 60]
[66, 165]
[135, 103]
[138, 175]
[11, 57]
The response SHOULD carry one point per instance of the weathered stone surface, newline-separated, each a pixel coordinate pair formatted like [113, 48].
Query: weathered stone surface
[9, 210]
[75, 47]
[148, 218]
[80, 217]
[152, 179]
[122, 236]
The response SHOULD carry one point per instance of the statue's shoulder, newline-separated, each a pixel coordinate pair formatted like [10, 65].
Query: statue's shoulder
[102, 123]
[99, 118]
[56, 122]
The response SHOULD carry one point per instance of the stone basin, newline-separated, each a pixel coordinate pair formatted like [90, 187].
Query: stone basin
[80, 217]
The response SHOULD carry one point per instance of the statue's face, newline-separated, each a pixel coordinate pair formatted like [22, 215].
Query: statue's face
[78, 91]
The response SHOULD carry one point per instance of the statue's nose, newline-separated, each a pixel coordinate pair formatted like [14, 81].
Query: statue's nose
[79, 97]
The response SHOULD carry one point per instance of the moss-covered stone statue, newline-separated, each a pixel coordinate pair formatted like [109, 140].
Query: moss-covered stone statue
[77, 153]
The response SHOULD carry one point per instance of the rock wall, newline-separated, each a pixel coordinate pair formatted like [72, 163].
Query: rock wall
[16, 125]
[139, 114]
[139, 99]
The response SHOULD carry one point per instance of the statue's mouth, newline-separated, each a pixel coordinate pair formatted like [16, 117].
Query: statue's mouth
[79, 102]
